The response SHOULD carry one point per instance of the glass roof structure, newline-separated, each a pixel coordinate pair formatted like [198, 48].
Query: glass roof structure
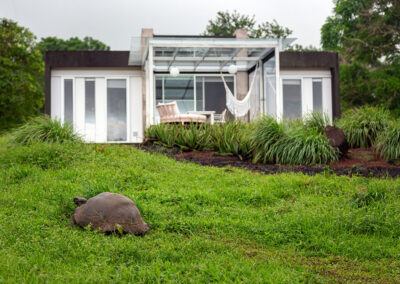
[202, 54]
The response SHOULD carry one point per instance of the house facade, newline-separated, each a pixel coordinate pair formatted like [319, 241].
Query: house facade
[111, 96]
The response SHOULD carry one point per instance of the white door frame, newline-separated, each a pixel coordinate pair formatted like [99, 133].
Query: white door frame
[126, 78]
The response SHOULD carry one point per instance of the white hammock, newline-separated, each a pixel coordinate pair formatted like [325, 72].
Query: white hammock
[236, 107]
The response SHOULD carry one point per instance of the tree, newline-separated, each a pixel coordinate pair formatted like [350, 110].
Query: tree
[21, 69]
[367, 35]
[227, 23]
[299, 47]
[74, 43]
[365, 30]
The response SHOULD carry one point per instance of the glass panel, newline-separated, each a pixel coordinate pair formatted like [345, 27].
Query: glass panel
[269, 86]
[291, 99]
[90, 114]
[159, 97]
[214, 92]
[255, 94]
[90, 117]
[180, 90]
[68, 101]
[317, 95]
[199, 93]
[159, 94]
[116, 110]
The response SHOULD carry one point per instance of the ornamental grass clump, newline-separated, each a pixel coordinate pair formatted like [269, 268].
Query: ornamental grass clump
[363, 125]
[303, 146]
[165, 134]
[44, 129]
[194, 136]
[267, 132]
[232, 137]
[292, 142]
[388, 142]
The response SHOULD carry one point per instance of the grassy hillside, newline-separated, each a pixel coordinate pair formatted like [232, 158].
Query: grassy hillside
[208, 224]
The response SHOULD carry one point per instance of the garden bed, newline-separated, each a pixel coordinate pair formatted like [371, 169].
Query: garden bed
[348, 165]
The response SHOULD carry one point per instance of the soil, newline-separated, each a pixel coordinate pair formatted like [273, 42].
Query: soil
[357, 162]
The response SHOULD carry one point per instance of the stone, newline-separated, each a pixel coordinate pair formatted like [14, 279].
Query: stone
[337, 139]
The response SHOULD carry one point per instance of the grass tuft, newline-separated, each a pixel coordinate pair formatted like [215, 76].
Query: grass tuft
[267, 132]
[363, 125]
[317, 120]
[388, 142]
[44, 129]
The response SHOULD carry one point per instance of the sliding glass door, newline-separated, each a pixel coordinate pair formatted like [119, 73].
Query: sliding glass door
[193, 92]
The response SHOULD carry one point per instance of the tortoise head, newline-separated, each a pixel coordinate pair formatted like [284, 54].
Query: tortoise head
[79, 201]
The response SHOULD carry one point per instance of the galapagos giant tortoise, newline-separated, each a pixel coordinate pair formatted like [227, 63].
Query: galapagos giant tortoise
[109, 212]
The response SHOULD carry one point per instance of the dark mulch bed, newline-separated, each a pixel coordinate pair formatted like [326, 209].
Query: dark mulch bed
[359, 162]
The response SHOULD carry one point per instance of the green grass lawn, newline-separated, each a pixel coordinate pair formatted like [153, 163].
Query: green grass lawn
[208, 224]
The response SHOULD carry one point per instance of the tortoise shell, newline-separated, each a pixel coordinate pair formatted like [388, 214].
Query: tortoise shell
[109, 212]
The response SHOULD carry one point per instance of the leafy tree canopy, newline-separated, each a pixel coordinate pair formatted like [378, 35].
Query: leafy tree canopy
[364, 30]
[74, 43]
[226, 23]
[21, 69]
[367, 35]
[299, 47]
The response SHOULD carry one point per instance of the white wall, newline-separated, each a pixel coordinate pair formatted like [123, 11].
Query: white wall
[100, 75]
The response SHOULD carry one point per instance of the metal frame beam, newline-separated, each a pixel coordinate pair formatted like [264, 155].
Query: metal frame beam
[202, 59]
[234, 53]
[173, 57]
[209, 58]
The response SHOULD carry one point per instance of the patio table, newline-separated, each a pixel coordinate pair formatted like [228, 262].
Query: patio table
[208, 113]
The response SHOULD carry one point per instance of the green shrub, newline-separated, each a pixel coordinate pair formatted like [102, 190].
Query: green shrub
[44, 129]
[267, 132]
[232, 137]
[44, 155]
[292, 143]
[363, 125]
[388, 142]
[303, 146]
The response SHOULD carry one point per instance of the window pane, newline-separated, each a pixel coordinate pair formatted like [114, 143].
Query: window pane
[317, 95]
[215, 94]
[180, 90]
[269, 86]
[68, 101]
[292, 99]
[159, 89]
[90, 117]
[255, 94]
[199, 93]
[116, 110]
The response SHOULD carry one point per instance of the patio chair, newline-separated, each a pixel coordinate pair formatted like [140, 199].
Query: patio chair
[220, 118]
[169, 113]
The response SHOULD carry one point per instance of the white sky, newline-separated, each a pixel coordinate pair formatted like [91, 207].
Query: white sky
[115, 21]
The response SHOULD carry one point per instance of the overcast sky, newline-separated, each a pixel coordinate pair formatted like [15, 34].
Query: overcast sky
[115, 21]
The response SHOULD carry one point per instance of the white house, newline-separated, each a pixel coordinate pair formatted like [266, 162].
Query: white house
[111, 96]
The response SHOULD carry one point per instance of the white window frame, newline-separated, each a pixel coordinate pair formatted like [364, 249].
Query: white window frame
[306, 96]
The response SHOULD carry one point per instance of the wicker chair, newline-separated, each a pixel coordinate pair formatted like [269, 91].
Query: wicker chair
[169, 113]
